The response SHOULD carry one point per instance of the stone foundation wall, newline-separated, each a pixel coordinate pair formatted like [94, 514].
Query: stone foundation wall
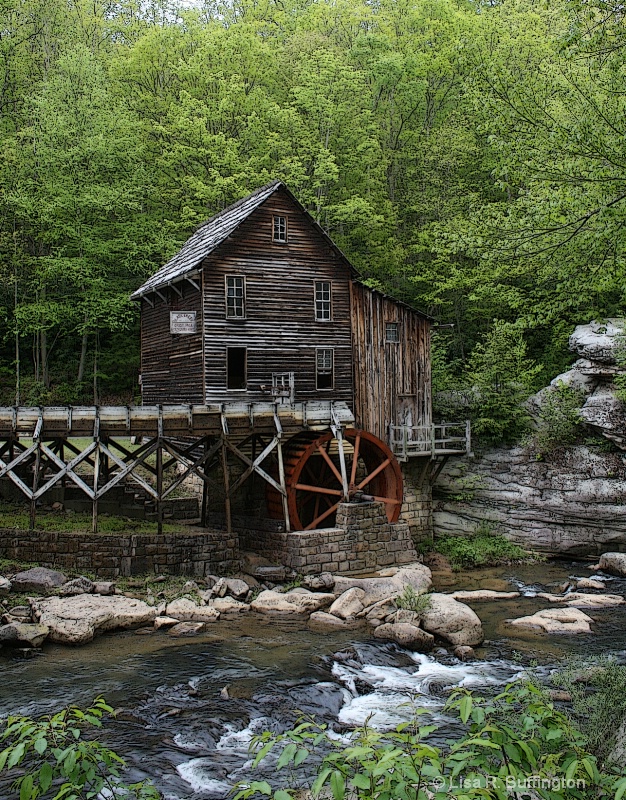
[417, 508]
[110, 556]
[363, 541]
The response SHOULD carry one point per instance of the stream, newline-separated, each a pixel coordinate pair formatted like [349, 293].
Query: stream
[176, 725]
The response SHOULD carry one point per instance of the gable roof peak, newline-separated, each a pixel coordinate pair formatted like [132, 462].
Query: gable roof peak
[207, 237]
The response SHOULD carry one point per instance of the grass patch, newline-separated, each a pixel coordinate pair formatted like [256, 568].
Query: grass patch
[483, 548]
[412, 601]
[12, 516]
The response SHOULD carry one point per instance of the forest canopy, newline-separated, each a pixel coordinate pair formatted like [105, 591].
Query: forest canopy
[468, 157]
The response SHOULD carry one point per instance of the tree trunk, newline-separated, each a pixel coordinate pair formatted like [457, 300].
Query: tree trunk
[83, 359]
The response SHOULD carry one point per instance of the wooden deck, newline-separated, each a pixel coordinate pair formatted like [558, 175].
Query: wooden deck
[180, 420]
[430, 441]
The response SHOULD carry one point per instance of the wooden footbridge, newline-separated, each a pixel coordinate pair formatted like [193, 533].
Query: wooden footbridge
[308, 454]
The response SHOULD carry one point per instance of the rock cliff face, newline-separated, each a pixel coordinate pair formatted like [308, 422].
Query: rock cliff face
[574, 500]
[573, 504]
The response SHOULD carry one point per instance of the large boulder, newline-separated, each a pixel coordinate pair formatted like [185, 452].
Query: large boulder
[39, 580]
[555, 620]
[598, 341]
[348, 604]
[24, 634]
[299, 602]
[613, 563]
[76, 620]
[606, 415]
[418, 577]
[406, 635]
[185, 610]
[453, 621]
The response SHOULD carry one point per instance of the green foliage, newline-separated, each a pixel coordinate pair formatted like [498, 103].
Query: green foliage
[411, 601]
[482, 548]
[509, 739]
[559, 422]
[598, 700]
[502, 377]
[51, 757]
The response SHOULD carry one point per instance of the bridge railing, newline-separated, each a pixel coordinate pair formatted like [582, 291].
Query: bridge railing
[443, 438]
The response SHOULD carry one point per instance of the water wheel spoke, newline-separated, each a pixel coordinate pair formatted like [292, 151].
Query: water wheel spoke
[355, 459]
[333, 468]
[306, 487]
[375, 472]
[321, 517]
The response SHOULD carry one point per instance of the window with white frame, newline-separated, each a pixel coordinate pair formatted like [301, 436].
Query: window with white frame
[323, 305]
[279, 229]
[235, 297]
[391, 332]
[324, 367]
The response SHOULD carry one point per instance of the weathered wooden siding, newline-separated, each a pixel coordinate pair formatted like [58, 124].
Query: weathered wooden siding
[171, 364]
[392, 379]
[280, 331]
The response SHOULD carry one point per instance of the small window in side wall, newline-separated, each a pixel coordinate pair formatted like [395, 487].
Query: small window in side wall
[279, 229]
[323, 301]
[235, 297]
[324, 368]
[392, 333]
[236, 367]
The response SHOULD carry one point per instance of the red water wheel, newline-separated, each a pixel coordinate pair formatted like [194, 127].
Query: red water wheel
[314, 483]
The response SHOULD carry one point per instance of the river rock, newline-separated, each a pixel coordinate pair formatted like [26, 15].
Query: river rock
[228, 605]
[464, 653]
[320, 620]
[24, 634]
[80, 585]
[483, 595]
[5, 586]
[76, 620]
[379, 611]
[237, 588]
[21, 612]
[271, 602]
[376, 589]
[598, 341]
[451, 620]
[555, 620]
[613, 563]
[186, 629]
[38, 579]
[581, 600]
[406, 635]
[348, 604]
[589, 583]
[104, 587]
[164, 622]
[185, 610]
[324, 582]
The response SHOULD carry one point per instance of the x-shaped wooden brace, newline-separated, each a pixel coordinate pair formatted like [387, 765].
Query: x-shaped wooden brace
[254, 466]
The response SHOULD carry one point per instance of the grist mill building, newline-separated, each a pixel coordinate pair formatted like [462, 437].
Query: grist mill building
[261, 315]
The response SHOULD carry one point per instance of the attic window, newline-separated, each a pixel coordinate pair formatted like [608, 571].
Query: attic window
[391, 332]
[279, 229]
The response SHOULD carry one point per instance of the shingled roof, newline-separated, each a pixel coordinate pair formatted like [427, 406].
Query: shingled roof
[205, 239]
